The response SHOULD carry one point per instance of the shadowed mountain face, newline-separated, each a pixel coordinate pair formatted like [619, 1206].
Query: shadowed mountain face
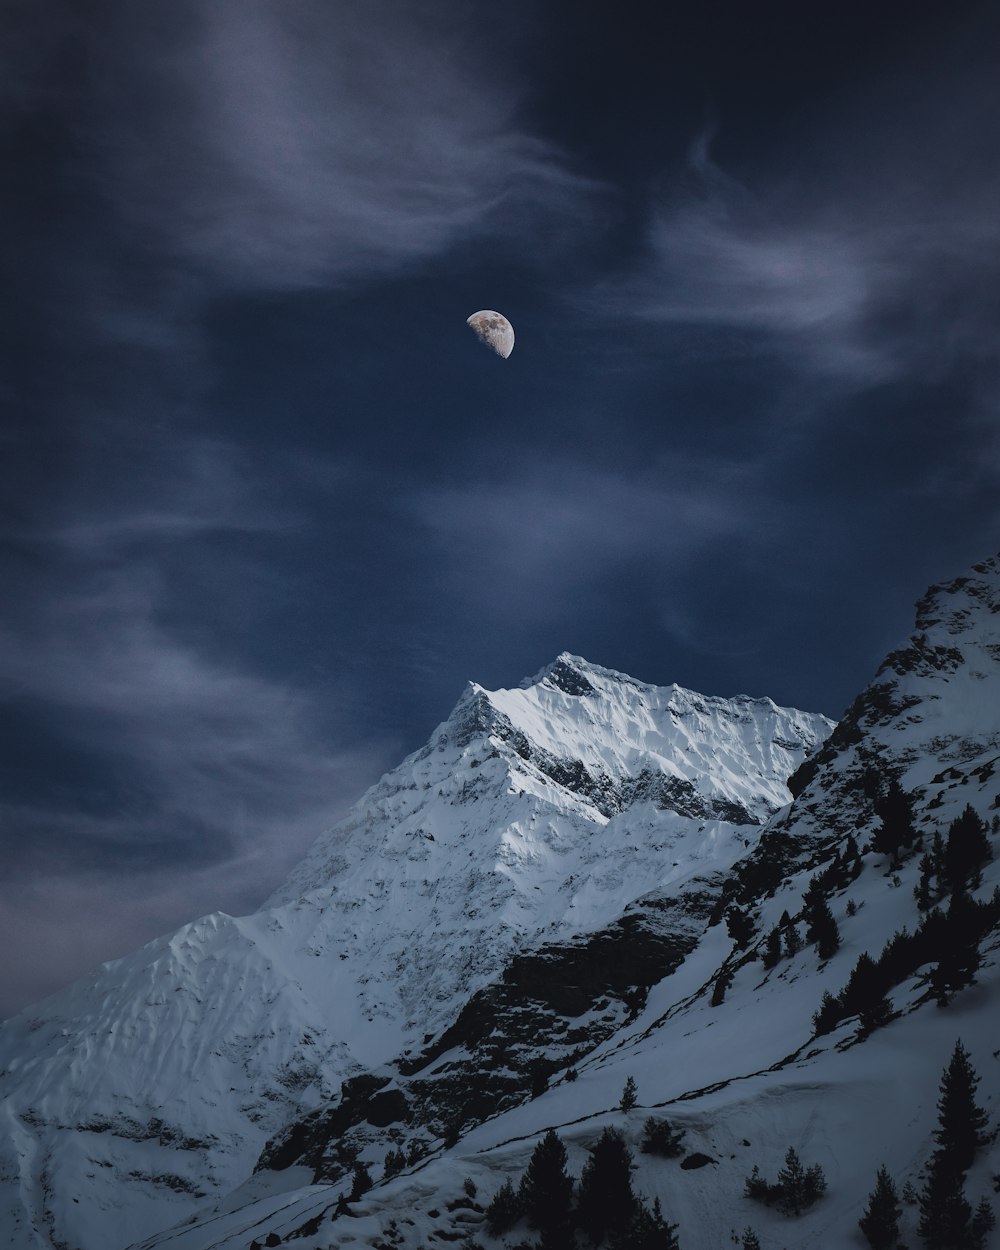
[576, 876]
[489, 871]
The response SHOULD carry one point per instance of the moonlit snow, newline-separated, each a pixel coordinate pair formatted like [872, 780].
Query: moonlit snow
[139, 1100]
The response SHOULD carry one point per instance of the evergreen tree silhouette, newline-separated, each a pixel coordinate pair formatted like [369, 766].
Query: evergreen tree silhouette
[772, 948]
[961, 1123]
[966, 849]
[629, 1095]
[606, 1202]
[646, 1230]
[546, 1192]
[946, 1219]
[945, 1214]
[504, 1209]
[822, 927]
[896, 814]
[660, 1138]
[880, 1222]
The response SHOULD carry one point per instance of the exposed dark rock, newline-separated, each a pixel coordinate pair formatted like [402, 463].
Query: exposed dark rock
[567, 679]
[696, 1160]
[557, 1001]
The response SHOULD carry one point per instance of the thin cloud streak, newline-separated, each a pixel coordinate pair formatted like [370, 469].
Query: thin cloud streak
[289, 146]
[868, 253]
[532, 541]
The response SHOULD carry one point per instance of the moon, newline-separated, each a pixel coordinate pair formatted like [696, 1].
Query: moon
[494, 330]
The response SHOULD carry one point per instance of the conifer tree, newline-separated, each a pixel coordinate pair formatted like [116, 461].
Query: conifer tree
[793, 940]
[945, 1214]
[896, 830]
[646, 1230]
[504, 1209]
[961, 1123]
[880, 1222]
[966, 849]
[822, 928]
[828, 1015]
[740, 927]
[750, 1240]
[630, 1095]
[722, 983]
[798, 1187]
[959, 947]
[546, 1190]
[946, 1219]
[922, 890]
[983, 1223]
[772, 948]
[606, 1201]
[661, 1138]
[360, 1183]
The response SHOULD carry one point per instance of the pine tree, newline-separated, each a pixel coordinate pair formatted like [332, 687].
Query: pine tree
[546, 1190]
[966, 849]
[945, 1214]
[828, 1015]
[946, 1219]
[822, 928]
[937, 858]
[961, 1123]
[630, 1095]
[660, 1138]
[959, 959]
[361, 1182]
[606, 1201]
[645, 1230]
[504, 1209]
[798, 1187]
[896, 830]
[922, 890]
[793, 940]
[740, 926]
[880, 1222]
[750, 1240]
[722, 983]
[983, 1223]
[772, 948]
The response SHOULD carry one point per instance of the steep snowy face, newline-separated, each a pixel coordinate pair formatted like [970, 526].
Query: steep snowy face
[535, 811]
[580, 742]
[532, 813]
[929, 718]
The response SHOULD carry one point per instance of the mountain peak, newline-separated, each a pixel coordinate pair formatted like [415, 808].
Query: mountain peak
[567, 673]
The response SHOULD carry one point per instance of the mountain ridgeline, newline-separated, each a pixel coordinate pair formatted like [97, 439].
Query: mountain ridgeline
[589, 910]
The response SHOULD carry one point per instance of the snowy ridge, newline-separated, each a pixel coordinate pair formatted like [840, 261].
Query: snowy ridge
[929, 717]
[748, 1077]
[531, 813]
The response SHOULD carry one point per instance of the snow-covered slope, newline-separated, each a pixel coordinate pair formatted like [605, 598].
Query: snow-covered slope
[533, 816]
[748, 1077]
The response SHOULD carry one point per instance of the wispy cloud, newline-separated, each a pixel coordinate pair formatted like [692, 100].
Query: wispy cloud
[288, 145]
[195, 777]
[867, 252]
[532, 543]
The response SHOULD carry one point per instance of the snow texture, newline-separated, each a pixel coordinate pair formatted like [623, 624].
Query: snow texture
[139, 1099]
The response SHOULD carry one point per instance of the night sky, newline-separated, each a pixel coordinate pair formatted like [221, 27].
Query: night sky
[268, 502]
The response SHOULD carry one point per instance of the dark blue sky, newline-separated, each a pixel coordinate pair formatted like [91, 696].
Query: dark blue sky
[269, 504]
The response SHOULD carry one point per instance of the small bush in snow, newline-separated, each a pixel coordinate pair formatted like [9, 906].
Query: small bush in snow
[660, 1138]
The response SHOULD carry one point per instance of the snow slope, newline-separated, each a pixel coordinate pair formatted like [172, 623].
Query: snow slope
[148, 1089]
[749, 1077]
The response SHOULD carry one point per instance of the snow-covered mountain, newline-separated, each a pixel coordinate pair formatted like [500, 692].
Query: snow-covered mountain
[725, 1043]
[505, 862]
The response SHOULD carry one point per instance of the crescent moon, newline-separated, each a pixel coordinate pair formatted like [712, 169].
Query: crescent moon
[493, 330]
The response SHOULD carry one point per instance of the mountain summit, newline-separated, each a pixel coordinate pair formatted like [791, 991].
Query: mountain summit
[532, 814]
[580, 886]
